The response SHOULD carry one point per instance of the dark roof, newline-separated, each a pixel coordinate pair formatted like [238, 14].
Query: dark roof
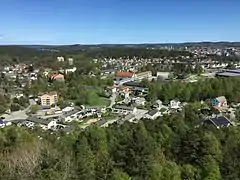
[37, 120]
[219, 121]
[69, 113]
[129, 108]
[228, 74]
[133, 84]
[125, 118]
[152, 112]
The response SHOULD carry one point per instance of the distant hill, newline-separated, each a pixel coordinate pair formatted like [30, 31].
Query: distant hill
[33, 49]
[97, 46]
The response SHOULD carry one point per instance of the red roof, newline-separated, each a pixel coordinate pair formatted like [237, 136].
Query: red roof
[53, 76]
[124, 74]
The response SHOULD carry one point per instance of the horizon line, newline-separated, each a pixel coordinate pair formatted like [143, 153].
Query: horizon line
[96, 44]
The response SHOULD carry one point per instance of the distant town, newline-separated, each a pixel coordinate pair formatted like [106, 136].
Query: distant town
[125, 97]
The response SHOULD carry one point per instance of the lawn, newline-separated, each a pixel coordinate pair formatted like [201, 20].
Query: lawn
[103, 101]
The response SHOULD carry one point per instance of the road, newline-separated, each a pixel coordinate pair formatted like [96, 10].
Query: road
[113, 99]
[17, 115]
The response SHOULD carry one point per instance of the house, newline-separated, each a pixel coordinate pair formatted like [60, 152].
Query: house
[140, 101]
[48, 99]
[218, 122]
[124, 109]
[72, 70]
[175, 104]
[67, 109]
[219, 103]
[60, 59]
[57, 77]
[163, 75]
[152, 114]
[70, 61]
[45, 124]
[158, 104]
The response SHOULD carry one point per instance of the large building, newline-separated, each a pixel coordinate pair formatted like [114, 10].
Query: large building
[48, 99]
[229, 73]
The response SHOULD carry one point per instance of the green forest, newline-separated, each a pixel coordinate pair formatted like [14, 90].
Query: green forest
[169, 148]
[191, 92]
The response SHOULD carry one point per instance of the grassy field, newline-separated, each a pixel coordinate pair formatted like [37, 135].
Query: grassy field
[103, 102]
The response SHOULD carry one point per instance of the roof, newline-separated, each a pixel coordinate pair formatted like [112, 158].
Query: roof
[233, 71]
[221, 99]
[52, 93]
[152, 112]
[219, 121]
[127, 117]
[124, 74]
[144, 73]
[38, 121]
[133, 84]
[228, 74]
[129, 108]
[53, 76]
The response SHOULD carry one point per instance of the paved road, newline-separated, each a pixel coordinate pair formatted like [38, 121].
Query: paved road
[113, 100]
[19, 114]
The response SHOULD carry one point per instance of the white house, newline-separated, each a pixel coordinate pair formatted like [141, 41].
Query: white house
[158, 104]
[72, 70]
[60, 59]
[152, 114]
[67, 109]
[52, 125]
[163, 75]
[140, 101]
[174, 104]
[124, 109]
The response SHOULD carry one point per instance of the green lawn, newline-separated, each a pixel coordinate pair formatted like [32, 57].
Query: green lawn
[103, 101]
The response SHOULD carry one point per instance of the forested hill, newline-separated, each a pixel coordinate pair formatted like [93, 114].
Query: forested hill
[23, 52]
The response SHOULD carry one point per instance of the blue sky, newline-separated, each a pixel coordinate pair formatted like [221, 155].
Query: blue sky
[118, 21]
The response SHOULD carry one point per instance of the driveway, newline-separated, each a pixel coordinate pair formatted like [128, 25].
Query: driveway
[113, 100]
[140, 113]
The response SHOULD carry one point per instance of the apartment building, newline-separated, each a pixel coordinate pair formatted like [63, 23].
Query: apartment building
[48, 99]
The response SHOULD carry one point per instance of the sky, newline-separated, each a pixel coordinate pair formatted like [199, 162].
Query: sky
[118, 21]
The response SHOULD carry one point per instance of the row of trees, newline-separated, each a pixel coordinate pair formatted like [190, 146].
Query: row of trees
[197, 91]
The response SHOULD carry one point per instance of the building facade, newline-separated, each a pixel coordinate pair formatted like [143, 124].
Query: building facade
[48, 99]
